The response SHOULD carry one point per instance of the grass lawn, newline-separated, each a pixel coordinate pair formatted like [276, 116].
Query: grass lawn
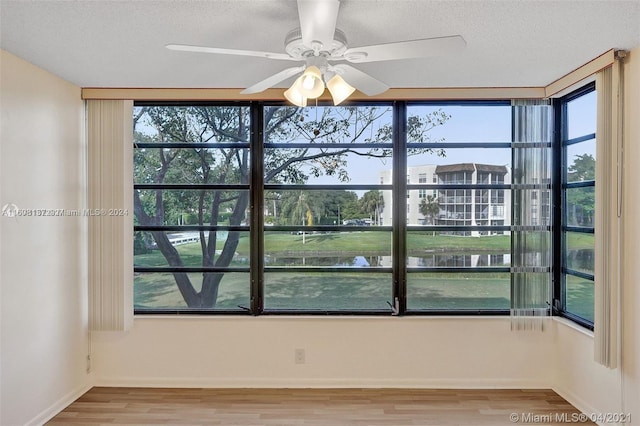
[354, 290]
[379, 242]
[337, 291]
[580, 294]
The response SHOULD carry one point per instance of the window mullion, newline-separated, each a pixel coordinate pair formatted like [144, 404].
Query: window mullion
[257, 208]
[558, 208]
[399, 222]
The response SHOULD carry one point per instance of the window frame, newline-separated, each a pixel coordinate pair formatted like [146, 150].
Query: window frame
[261, 187]
[242, 228]
[399, 227]
[561, 184]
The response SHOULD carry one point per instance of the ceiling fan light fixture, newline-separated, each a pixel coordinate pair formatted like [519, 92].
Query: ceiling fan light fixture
[294, 95]
[339, 89]
[310, 83]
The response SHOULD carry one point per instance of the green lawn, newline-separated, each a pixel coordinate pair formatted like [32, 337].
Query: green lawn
[580, 294]
[353, 290]
[338, 291]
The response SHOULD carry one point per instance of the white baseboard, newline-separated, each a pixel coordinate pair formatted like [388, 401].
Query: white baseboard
[577, 402]
[59, 405]
[204, 382]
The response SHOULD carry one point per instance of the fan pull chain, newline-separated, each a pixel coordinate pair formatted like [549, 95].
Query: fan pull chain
[316, 132]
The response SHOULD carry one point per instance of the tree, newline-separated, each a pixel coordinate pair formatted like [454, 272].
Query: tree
[430, 208]
[299, 208]
[581, 202]
[583, 168]
[211, 148]
[371, 204]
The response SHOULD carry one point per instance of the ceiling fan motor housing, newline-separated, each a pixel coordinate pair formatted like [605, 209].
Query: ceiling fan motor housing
[295, 47]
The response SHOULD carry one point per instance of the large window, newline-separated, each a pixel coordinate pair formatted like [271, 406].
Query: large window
[384, 208]
[458, 236]
[577, 114]
[191, 202]
[326, 247]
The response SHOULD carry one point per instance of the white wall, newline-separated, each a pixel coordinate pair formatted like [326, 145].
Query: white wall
[340, 351]
[588, 385]
[44, 337]
[578, 378]
[631, 244]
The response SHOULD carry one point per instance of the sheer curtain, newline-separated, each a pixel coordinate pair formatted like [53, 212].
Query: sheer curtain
[531, 232]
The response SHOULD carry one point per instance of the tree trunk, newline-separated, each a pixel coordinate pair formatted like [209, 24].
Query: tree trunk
[170, 253]
[211, 281]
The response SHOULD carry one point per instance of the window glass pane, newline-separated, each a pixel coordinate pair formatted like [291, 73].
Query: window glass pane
[452, 249]
[328, 125]
[191, 165]
[177, 145]
[327, 291]
[191, 124]
[581, 161]
[458, 291]
[187, 248]
[580, 252]
[447, 207]
[581, 204]
[191, 207]
[581, 115]
[460, 165]
[313, 207]
[580, 299]
[157, 291]
[459, 123]
[328, 248]
[317, 166]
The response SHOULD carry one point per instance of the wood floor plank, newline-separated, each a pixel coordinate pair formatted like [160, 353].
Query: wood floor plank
[313, 407]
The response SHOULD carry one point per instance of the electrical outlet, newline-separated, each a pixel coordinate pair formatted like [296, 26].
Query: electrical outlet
[299, 356]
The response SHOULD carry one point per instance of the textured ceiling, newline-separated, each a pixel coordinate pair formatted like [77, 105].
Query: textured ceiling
[515, 43]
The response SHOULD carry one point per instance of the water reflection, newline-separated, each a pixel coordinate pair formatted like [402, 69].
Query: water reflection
[579, 260]
[356, 261]
[442, 260]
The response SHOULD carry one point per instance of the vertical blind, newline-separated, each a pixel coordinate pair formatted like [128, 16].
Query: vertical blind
[110, 214]
[608, 214]
[531, 237]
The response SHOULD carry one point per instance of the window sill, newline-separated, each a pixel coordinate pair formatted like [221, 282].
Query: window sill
[573, 325]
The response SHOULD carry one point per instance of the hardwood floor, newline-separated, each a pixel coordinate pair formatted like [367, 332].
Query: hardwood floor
[316, 407]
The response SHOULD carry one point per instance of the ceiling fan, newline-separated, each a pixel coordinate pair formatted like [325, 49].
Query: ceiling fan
[318, 43]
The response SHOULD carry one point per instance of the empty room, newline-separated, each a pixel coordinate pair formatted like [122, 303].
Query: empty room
[319, 212]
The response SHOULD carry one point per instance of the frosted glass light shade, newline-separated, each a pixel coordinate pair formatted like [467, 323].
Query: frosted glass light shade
[339, 89]
[294, 94]
[311, 84]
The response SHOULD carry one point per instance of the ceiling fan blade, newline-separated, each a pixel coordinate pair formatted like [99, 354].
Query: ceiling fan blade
[360, 80]
[318, 21]
[271, 81]
[422, 48]
[221, 51]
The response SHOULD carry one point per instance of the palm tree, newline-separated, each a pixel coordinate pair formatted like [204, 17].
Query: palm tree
[430, 207]
[371, 204]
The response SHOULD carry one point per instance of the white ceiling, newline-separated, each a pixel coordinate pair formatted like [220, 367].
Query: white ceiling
[511, 43]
